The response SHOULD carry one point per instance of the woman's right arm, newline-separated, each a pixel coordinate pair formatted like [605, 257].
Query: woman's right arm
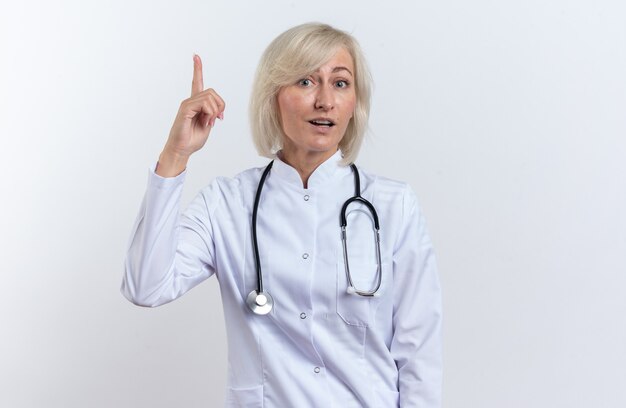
[169, 253]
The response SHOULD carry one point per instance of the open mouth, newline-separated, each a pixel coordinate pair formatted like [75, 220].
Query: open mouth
[322, 122]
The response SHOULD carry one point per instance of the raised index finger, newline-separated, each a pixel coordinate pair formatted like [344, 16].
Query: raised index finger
[197, 85]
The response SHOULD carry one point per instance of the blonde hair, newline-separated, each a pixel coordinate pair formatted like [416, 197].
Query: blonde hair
[292, 55]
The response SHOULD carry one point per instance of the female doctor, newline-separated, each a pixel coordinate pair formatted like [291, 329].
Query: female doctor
[329, 300]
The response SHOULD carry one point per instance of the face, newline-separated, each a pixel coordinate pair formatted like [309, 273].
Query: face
[316, 110]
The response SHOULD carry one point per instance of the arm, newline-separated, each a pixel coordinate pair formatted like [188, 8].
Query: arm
[168, 254]
[416, 345]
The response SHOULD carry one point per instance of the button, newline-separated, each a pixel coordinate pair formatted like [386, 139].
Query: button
[316, 369]
[302, 315]
[306, 197]
[305, 256]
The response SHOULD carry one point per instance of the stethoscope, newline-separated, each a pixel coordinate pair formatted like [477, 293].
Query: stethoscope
[260, 301]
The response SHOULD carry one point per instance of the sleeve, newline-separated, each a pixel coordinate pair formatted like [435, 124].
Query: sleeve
[167, 253]
[416, 345]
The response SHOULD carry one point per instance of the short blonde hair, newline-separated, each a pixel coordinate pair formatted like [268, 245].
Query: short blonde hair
[294, 54]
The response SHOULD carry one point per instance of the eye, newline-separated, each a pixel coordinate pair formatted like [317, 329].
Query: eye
[342, 84]
[304, 82]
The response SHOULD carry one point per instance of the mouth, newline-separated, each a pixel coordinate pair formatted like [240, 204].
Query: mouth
[322, 123]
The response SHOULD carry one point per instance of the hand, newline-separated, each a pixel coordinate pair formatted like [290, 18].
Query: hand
[195, 119]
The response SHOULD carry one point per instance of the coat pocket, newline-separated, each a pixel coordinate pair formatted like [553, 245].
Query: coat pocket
[355, 309]
[251, 397]
[387, 398]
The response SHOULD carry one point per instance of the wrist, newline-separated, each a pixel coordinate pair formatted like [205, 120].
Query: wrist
[171, 164]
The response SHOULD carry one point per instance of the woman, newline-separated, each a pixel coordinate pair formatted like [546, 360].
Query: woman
[336, 323]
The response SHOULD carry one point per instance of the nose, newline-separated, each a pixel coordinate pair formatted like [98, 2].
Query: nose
[324, 99]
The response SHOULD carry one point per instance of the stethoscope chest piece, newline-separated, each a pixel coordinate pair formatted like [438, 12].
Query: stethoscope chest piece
[260, 303]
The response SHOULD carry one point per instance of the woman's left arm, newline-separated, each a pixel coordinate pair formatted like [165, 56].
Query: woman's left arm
[417, 311]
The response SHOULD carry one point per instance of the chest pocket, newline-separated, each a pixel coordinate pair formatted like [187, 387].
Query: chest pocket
[361, 247]
[355, 309]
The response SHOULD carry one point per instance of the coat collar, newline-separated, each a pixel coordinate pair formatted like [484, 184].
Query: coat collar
[320, 175]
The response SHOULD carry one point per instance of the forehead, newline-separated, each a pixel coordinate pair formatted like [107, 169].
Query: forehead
[340, 59]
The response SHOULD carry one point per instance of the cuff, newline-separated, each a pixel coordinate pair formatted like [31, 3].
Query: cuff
[156, 181]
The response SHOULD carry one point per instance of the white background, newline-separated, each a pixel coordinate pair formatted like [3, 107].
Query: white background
[507, 118]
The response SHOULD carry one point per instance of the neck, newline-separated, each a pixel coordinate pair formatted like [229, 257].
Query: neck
[305, 163]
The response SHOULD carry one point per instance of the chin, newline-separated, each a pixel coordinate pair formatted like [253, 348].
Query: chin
[323, 149]
[325, 143]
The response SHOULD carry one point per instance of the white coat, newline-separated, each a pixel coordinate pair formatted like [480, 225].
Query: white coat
[319, 346]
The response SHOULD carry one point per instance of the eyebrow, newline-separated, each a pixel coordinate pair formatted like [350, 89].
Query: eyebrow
[337, 69]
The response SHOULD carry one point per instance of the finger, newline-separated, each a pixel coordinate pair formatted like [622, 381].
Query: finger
[191, 107]
[205, 107]
[220, 103]
[204, 111]
[197, 85]
[210, 104]
[214, 108]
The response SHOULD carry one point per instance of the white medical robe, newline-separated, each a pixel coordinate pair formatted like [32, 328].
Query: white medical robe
[319, 346]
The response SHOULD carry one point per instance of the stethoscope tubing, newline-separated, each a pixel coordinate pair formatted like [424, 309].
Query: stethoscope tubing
[261, 302]
[255, 243]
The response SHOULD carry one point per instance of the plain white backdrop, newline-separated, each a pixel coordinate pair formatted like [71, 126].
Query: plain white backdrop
[508, 118]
